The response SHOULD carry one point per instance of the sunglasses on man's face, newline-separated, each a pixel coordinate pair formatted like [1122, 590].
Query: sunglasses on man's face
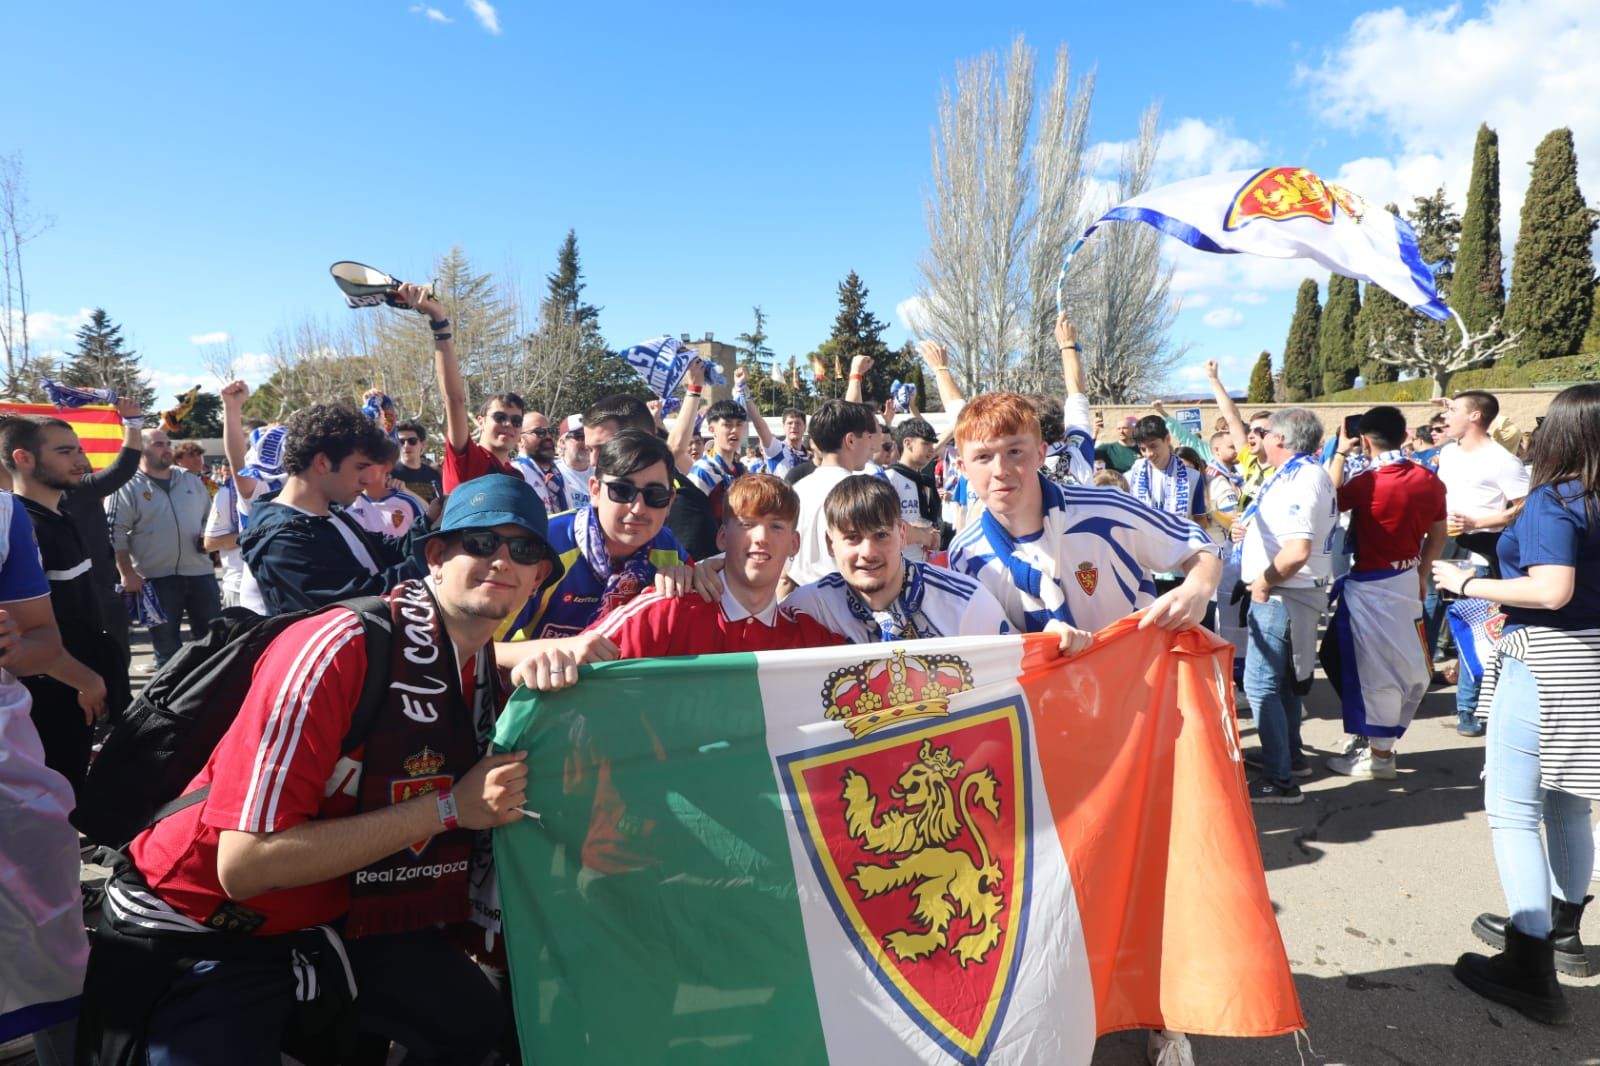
[625, 492]
[537, 431]
[501, 419]
[1258, 431]
[407, 442]
[483, 543]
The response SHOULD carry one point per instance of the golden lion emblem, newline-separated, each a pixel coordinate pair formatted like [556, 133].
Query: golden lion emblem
[944, 881]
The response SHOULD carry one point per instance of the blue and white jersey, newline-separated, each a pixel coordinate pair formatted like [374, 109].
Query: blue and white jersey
[781, 458]
[711, 472]
[21, 571]
[1072, 459]
[1089, 565]
[933, 602]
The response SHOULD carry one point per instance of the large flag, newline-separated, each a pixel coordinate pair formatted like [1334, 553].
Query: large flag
[946, 851]
[99, 428]
[1290, 213]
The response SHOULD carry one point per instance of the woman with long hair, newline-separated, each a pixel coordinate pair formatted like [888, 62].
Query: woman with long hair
[1543, 755]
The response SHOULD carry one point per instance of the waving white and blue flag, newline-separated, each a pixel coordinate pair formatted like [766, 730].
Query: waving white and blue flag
[662, 362]
[1288, 213]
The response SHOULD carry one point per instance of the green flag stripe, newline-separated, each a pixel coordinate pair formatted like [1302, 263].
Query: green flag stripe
[663, 902]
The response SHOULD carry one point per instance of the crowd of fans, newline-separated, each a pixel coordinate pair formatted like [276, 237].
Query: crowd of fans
[535, 546]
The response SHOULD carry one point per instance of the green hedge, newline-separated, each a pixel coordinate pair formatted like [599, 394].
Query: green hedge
[1566, 370]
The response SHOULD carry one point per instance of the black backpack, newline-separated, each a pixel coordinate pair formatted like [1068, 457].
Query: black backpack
[168, 733]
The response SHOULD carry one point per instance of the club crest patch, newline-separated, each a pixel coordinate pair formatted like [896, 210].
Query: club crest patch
[1088, 576]
[1278, 194]
[422, 776]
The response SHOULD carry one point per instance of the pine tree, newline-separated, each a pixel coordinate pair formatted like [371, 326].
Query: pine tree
[1552, 272]
[103, 361]
[1301, 376]
[1262, 386]
[1478, 290]
[566, 285]
[1386, 320]
[1337, 341]
[857, 331]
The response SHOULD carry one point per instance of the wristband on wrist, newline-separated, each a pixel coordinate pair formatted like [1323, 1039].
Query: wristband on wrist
[447, 808]
[855, 377]
[443, 336]
[1071, 348]
[1465, 583]
[133, 422]
[694, 390]
[438, 324]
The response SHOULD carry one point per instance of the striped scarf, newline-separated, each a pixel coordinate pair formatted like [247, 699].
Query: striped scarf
[1174, 500]
[900, 620]
[1039, 591]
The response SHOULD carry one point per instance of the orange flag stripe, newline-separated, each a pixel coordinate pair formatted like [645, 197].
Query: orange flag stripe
[99, 427]
[1148, 794]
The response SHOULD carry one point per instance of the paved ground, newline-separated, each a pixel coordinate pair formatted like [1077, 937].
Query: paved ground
[1376, 883]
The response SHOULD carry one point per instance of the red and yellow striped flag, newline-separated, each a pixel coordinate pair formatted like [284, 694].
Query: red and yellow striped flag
[98, 426]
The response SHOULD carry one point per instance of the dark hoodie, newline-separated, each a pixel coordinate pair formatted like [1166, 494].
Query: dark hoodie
[302, 561]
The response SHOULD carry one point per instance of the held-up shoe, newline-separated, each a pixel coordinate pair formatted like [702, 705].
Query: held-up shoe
[1271, 792]
[1523, 977]
[1570, 957]
[1362, 763]
[1299, 765]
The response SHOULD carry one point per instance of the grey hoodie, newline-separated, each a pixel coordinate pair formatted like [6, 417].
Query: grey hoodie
[159, 528]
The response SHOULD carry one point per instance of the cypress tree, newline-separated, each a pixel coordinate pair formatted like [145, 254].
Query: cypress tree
[1261, 383]
[1552, 272]
[103, 361]
[1301, 378]
[1337, 341]
[1478, 291]
[1383, 319]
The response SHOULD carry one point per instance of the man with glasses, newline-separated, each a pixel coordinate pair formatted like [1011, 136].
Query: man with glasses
[420, 477]
[498, 425]
[613, 549]
[537, 463]
[573, 462]
[296, 835]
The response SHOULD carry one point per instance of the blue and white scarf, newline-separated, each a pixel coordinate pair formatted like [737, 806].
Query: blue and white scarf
[712, 470]
[663, 361]
[903, 393]
[624, 579]
[903, 619]
[1255, 503]
[72, 396]
[1175, 500]
[1039, 591]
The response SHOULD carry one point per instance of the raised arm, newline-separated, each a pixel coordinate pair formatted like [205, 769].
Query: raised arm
[859, 365]
[938, 361]
[446, 368]
[683, 425]
[234, 446]
[1071, 357]
[759, 424]
[1230, 410]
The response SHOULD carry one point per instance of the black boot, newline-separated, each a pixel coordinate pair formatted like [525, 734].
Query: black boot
[1523, 977]
[1564, 918]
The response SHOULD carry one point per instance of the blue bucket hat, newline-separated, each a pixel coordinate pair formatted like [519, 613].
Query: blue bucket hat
[497, 500]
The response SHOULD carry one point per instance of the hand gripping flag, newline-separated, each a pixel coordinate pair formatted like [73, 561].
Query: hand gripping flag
[946, 851]
[662, 362]
[1286, 213]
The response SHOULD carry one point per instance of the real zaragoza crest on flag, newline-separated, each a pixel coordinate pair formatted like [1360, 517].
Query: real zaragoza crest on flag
[940, 851]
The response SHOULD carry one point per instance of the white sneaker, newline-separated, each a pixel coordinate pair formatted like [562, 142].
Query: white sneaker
[1166, 1048]
[1360, 763]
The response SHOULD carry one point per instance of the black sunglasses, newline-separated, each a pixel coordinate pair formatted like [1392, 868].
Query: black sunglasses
[539, 431]
[483, 543]
[1258, 431]
[501, 418]
[409, 441]
[657, 496]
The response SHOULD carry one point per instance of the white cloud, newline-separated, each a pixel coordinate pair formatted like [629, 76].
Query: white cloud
[1191, 376]
[1190, 148]
[485, 13]
[913, 315]
[1196, 299]
[48, 326]
[432, 14]
[1428, 79]
[216, 337]
[1223, 318]
[253, 367]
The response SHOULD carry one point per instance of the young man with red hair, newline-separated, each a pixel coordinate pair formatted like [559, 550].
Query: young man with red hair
[758, 534]
[1069, 559]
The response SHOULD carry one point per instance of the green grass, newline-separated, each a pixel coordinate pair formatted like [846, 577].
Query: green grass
[1568, 369]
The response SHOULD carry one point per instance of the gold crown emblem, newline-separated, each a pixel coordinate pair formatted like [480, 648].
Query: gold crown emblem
[880, 692]
[423, 763]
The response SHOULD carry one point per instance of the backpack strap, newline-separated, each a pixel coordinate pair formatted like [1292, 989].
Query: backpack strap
[376, 625]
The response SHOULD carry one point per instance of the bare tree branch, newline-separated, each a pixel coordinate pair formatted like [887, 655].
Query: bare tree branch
[1427, 358]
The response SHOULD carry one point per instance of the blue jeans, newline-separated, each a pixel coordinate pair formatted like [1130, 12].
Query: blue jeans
[1269, 683]
[1516, 803]
[196, 594]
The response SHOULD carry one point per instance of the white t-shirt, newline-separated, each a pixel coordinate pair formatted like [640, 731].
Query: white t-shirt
[1482, 481]
[221, 522]
[1296, 503]
[933, 601]
[814, 559]
[910, 511]
[577, 485]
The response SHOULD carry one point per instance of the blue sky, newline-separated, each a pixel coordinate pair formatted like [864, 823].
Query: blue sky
[205, 164]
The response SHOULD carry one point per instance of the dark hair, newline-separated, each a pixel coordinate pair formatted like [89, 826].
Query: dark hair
[726, 411]
[411, 425]
[861, 503]
[1192, 457]
[189, 447]
[837, 419]
[388, 453]
[628, 412]
[794, 412]
[1424, 434]
[255, 423]
[631, 451]
[1052, 422]
[1566, 447]
[336, 430]
[25, 433]
[1260, 415]
[1386, 426]
[1150, 428]
[1484, 403]
[504, 399]
[917, 427]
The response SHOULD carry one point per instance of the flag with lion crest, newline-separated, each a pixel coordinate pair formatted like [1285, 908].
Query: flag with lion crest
[947, 851]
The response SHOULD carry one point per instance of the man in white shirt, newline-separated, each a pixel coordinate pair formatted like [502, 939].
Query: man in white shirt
[574, 463]
[1286, 564]
[537, 463]
[842, 435]
[790, 451]
[1482, 484]
[878, 594]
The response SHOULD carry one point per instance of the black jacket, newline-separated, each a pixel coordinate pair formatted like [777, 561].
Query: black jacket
[85, 505]
[302, 561]
[928, 503]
